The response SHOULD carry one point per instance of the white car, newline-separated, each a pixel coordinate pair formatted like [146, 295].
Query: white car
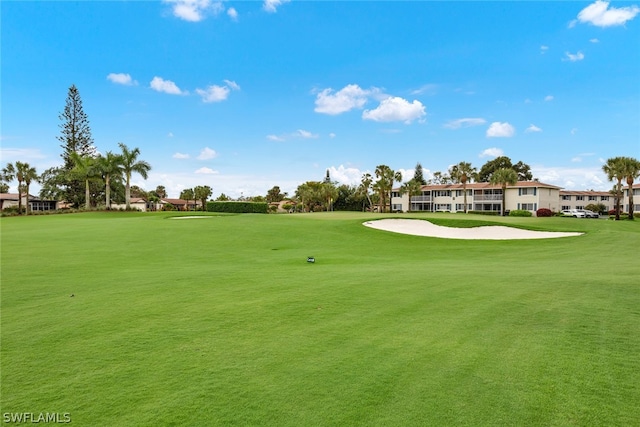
[590, 214]
[574, 213]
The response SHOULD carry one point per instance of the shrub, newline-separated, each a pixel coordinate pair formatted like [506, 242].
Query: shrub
[492, 213]
[520, 212]
[544, 212]
[237, 207]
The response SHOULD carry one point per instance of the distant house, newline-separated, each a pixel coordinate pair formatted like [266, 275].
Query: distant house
[8, 200]
[182, 205]
[134, 203]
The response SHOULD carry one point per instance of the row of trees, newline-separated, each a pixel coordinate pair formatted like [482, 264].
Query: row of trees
[85, 175]
[200, 192]
[622, 169]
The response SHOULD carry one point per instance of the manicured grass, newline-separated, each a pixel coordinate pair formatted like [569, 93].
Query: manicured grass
[221, 321]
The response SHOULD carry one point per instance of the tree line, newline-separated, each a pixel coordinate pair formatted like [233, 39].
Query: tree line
[87, 177]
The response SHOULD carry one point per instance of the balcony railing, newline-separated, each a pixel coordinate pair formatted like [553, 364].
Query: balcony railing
[420, 199]
[480, 197]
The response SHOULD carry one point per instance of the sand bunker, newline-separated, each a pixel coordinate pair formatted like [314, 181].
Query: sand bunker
[493, 232]
[189, 217]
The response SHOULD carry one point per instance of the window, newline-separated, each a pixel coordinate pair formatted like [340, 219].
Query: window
[593, 197]
[395, 194]
[566, 197]
[460, 206]
[443, 207]
[565, 208]
[442, 193]
[604, 198]
[528, 206]
[527, 191]
[579, 207]
[581, 198]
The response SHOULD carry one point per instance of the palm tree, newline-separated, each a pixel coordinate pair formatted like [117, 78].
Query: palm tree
[630, 171]
[504, 177]
[615, 169]
[131, 164]
[412, 187]
[365, 187]
[8, 175]
[27, 173]
[86, 168]
[202, 193]
[110, 165]
[188, 194]
[462, 173]
[386, 178]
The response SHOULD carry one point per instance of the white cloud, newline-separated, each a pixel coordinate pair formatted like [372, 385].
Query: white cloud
[346, 99]
[275, 138]
[408, 174]
[574, 131]
[500, 130]
[332, 135]
[548, 98]
[600, 15]
[207, 154]
[304, 134]
[573, 178]
[544, 49]
[232, 13]
[195, 10]
[170, 135]
[232, 85]
[10, 155]
[464, 123]
[206, 171]
[491, 152]
[533, 128]
[594, 40]
[579, 56]
[428, 89]
[271, 6]
[166, 86]
[121, 79]
[396, 109]
[214, 93]
[180, 156]
[345, 175]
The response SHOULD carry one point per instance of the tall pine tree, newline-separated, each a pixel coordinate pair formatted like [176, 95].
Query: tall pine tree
[75, 136]
[419, 175]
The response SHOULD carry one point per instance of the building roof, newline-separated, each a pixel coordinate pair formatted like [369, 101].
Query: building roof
[584, 193]
[486, 185]
[14, 196]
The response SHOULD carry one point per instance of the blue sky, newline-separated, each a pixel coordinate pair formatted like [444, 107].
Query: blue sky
[245, 95]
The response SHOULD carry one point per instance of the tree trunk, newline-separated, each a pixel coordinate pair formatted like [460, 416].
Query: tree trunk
[20, 198]
[107, 191]
[127, 192]
[618, 197]
[87, 197]
[27, 199]
[629, 181]
[504, 198]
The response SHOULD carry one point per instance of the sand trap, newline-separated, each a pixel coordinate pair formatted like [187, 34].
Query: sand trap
[493, 232]
[190, 217]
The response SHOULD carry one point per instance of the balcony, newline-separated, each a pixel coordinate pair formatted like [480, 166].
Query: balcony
[485, 197]
[420, 199]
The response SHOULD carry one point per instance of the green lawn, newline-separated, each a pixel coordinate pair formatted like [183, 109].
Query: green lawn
[221, 321]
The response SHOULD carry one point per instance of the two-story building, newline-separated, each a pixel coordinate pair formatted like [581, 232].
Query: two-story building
[481, 196]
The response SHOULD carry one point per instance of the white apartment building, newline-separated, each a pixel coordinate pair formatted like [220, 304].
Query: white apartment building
[525, 195]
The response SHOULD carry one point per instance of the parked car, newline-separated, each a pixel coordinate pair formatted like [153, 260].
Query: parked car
[591, 214]
[574, 213]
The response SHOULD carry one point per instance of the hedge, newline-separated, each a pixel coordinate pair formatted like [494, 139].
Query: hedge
[237, 207]
[520, 212]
